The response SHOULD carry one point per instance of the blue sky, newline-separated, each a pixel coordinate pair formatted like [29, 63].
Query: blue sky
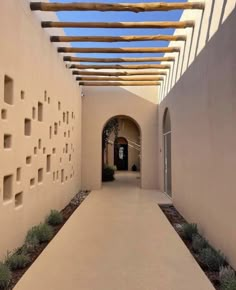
[93, 16]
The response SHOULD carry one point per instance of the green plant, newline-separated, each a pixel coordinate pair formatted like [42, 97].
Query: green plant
[189, 230]
[231, 285]
[198, 243]
[17, 261]
[227, 276]
[212, 259]
[55, 218]
[5, 276]
[108, 173]
[31, 241]
[39, 234]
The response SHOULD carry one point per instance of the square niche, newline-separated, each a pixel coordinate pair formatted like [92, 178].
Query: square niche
[7, 141]
[19, 199]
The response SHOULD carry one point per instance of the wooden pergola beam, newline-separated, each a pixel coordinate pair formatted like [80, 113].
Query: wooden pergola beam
[125, 78]
[117, 66]
[132, 7]
[118, 73]
[112, 60]
[158, 25]
[117, 38]
[133, 83]
[118, 50]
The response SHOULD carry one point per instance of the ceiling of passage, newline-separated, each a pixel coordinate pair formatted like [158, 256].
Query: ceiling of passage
[118, 44]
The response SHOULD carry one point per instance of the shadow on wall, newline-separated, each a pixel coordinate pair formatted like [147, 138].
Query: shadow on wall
[198, 37]
[102, 104]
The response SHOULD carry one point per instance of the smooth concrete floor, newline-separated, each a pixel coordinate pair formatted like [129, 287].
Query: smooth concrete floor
[118, 239]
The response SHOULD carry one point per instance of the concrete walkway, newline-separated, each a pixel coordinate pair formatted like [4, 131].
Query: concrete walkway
[118, 239]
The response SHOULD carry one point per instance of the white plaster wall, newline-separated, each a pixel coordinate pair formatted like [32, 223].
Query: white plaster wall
[28, 57]
[99, 104]
[202, 105]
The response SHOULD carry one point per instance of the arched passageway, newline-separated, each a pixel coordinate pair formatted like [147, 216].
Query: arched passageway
[167, 152]
[121, 147]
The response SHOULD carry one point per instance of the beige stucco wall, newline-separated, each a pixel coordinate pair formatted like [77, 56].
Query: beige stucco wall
[129, 130]
[202, 107]
[98, 106]
[28, 57]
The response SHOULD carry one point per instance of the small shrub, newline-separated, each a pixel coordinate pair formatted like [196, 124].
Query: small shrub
[31, 241]
[17, 261]
[5, 276]
[55, 218]
[189, 230]
[212, 259]
[39, 234]
[226, 275]
[198, 243]
[231, 285]
[108, 173]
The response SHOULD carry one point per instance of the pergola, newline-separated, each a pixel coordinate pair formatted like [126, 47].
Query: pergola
[118, 72]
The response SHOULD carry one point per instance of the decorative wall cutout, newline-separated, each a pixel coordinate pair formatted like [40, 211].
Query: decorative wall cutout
[33, 113]
[50, 132]
[40, 112]
[62, 175]
[4, 114]
[48, 163]
[27, 128]
[35, 150]
[7, 141]
[40, 175]
[45, 96]
[54, 176]
[39, 143]
[28, 160]
[22, 95]
[44, 150]
[49, 100]
[19, 199]
[8, 90]
[55, 128]
[67, 117]
[18, 174]
[53, 150]
[59, 106]
[32, 182]
[7, 187]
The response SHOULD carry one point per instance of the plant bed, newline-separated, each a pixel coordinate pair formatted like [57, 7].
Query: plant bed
[59, 219]
[212, 262]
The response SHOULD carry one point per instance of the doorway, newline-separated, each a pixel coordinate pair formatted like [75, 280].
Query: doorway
[121, 153]
[167, 153]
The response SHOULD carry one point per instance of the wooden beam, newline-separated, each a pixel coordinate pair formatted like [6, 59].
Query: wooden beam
[112, 60]
[117, 38]
[118, 50]
[158, 25]
[135, 78]
[118, 73]
[140, 83]
[132, 7]
[117, 66]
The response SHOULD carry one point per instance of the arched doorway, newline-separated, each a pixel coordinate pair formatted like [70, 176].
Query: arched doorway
[121, 147]
[167, 152]
[121, 153]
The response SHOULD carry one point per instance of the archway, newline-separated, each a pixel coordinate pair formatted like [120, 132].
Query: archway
[121, 146]
[167, 152]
